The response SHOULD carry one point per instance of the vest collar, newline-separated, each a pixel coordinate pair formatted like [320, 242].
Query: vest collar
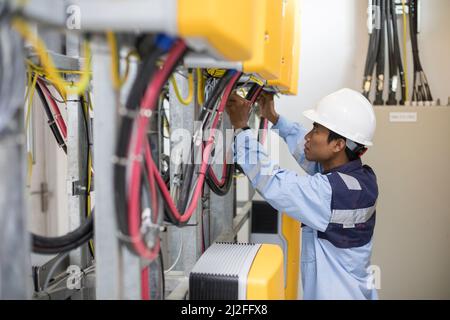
[347, 167]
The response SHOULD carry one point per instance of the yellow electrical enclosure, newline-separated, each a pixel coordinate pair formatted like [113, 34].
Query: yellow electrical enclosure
[267, 40]
[226, 25]
[288, 80]
[291, 230]
[265, 281]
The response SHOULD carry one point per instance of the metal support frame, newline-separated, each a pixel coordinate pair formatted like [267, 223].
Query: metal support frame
[14, 237]
[144, 15]
[117, 270]
[76, 160]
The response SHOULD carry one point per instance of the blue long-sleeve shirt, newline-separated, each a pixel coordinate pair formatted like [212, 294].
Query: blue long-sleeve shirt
[332, 268]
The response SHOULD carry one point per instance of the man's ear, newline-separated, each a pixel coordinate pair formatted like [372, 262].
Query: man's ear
[339, 145]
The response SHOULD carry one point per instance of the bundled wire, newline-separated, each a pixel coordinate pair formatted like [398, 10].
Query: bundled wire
[55, 109]
[372, 53]
[206, 152]
[140, 144]
[132, 147]
[48, 65]
[421, 89]
[222, 186]
[70, 241]
[59, 136]
[84, 233]
[207, 148]
[393, 81]
[149, 55]
[207, 115]
[396, 70]
[380, 56]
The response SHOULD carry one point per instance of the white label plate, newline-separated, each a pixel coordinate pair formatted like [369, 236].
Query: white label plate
[403, 116]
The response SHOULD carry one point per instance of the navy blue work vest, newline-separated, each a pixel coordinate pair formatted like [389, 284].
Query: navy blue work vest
[353, 201]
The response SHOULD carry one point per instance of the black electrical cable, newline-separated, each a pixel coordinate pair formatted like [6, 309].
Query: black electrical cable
[371, 51]
[421, 88]
[223, 189]
[417, 92]
[51, 119]
[74, 239]
[392, 58]
[145, 72]
[88, 155]
[381, 57]
[204, 118]
[397, 53]
[156, 272]
[70, 241]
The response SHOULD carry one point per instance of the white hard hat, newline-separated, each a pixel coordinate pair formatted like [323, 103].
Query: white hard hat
[348, 113]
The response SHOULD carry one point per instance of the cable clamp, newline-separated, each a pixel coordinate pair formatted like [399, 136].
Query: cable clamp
[126, 238]
[124, 112]
[145, 113]
[197, 137]
[121, 161]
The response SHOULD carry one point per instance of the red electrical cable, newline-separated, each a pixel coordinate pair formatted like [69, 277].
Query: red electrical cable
[264, 133]
[145, 286]
[57, 114]
[148, 104]
[205, 157]
[224, 177]
[140, 144]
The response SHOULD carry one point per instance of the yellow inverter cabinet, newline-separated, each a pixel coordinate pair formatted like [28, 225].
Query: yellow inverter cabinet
[228, 26]
[287, 83]
[270, 226]
[238, 271]
[267, 40]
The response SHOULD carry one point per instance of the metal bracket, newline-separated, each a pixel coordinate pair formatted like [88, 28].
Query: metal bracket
[77, 188]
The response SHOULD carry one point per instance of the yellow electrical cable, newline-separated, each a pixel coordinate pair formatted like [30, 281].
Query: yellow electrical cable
[29, 167]
[89, 177]
[115, 63]
[200, 87]
[91, 105]
[29, 98]
[48, 65]
[30, 94]
[27, 84]
[217, 73]
[256, 80]
[405, 62]
[188, 100]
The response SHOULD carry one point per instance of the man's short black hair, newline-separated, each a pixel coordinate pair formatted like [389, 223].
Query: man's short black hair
[351, 155]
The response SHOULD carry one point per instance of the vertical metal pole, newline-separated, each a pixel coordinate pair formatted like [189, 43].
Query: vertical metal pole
[14, 238]
[76, 159]
[117, 270]
[107, 254]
